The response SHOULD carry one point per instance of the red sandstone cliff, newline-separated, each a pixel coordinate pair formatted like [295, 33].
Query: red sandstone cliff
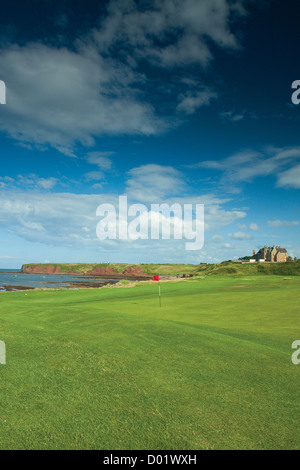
[130, 271]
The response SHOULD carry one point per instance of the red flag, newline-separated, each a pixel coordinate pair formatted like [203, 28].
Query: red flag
[155, 278]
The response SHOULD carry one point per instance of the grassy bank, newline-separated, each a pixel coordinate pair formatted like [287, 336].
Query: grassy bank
[86, 268]
[109, 369]
[229, 268]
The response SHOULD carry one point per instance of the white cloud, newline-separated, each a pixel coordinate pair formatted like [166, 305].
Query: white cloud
[154, 183]
[100, 159]
[58, 97]
[97, 186]
[283, 223]
[217, 238]
[65, 219]
[247, 165]
[51, 218]
[241, 236]
[94, 176]
[290, 178]
[254, 227]
[217, 217]
[191, 101]
[29, 181]
[47, 183]
[234, 116]
[184, 29]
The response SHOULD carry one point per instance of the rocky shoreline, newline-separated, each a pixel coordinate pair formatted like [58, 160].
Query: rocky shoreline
[86, 276]
[10, 288]
[71, 285]
[97, 279]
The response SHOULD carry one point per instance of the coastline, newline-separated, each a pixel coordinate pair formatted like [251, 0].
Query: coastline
[118, 281]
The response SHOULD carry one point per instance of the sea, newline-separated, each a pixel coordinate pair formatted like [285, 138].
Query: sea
[14, 280]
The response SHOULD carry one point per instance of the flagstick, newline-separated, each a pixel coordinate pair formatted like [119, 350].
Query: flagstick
[159, 295]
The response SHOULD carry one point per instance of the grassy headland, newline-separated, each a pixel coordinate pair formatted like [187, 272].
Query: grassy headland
[116, 268]
[226, 268]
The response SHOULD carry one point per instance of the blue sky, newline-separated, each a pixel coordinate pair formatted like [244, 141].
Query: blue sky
[163, 101]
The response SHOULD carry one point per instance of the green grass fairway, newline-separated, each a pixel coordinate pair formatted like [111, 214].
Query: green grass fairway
[109, 369]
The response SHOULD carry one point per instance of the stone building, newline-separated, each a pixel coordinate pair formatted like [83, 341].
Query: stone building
[274, 254]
